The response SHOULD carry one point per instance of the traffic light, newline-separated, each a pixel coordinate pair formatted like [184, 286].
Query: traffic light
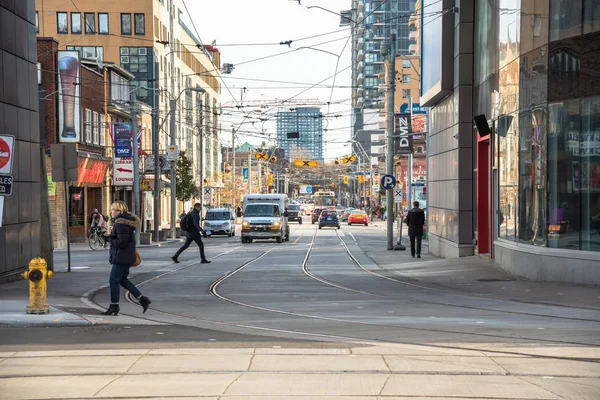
[345, 180]
[262, 156]
[336, 162]
[273, 159]
[205, 181]
[349, 159]
[271, 180]
[361, 179]
[306, 163]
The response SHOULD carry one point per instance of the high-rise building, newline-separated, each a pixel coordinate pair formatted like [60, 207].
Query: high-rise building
[300, 132]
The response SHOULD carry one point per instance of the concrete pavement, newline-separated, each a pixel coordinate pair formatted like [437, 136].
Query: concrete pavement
[356, 372]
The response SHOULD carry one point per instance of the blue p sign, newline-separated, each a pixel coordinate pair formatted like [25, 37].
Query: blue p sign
[388, 182]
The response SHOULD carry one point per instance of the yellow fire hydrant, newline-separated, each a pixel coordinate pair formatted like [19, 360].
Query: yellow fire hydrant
[38, 275]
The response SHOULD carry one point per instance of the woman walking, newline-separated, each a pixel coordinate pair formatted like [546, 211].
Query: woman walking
[122, 256]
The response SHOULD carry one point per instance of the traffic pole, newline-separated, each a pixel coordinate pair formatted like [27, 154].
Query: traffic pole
[136, 164]
[173, 105]
[155, 150]
[390, 138]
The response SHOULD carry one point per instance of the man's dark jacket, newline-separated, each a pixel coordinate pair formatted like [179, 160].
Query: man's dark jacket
[195, 229]
[415, 219]
[122, 239]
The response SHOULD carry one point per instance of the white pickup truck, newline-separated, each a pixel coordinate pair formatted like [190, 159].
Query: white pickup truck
[264, 218]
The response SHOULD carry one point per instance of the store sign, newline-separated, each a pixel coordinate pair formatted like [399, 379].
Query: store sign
[69, 93]
[90, 171]
[122, 172]
[403, 141]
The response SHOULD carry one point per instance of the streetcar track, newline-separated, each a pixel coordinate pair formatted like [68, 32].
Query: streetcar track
[214, 286]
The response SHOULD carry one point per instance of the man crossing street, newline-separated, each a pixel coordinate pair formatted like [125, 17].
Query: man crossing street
[193, 234]
[415, 219]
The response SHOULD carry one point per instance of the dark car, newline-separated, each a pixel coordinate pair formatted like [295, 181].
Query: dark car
[294, 213]
[315, 214]
[329, 218]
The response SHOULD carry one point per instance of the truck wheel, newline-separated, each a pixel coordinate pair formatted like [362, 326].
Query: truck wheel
[249, 240]
[279, 239]
[300, 221]
[244, 240]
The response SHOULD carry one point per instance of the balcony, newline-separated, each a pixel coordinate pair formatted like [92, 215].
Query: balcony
[361, 41]
[413, 35]
[379, 22]
[412, 21]
[361, 55]
[360, 78]
[412, 49]
[360, 66]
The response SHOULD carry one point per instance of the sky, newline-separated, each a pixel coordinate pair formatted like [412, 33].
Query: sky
[238, 26]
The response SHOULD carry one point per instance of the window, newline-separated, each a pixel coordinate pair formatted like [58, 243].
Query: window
[62, 22]
[125, 24]
[88, 126]
[591, 16]
[102, 128]
[140, 24]
[90, 23]
[76, 22]
[405, 78]
[406, 64]
[405, 93]
[89, 51]
[103, 23]
[566, 18]
[95, 128]
[37, 22]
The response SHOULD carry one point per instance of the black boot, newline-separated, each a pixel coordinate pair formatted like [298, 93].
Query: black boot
[144, 302]
[175, 260]
[112, 310]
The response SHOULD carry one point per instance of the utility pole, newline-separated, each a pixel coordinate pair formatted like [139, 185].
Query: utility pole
[136, 163]
[249, 171]
[201, 139]
[155, 151]
[233, 168]
[390, 139]
[173, 105]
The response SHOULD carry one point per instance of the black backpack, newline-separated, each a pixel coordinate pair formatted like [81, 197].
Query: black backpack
[186, 223]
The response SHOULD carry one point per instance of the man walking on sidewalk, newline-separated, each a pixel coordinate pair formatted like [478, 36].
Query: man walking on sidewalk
[193, 234]
[415, 219]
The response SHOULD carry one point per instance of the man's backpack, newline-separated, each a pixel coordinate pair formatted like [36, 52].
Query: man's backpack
[186, 223]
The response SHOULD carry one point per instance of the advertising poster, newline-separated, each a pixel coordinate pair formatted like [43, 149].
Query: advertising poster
[121, 135]
[69, 92]
[51, 187]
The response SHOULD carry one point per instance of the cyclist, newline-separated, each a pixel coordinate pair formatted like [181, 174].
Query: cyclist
[99, 223]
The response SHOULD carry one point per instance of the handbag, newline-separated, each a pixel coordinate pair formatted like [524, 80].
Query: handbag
[138, 259]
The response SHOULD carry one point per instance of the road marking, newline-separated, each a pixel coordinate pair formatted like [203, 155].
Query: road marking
[351, 235]
[299, 237]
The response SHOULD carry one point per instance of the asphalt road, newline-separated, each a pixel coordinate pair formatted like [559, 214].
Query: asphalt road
[319, 286]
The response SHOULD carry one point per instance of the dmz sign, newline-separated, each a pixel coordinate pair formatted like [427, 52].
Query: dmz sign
[404, 140]
[122, 138]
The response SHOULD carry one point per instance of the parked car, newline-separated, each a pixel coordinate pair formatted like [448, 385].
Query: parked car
[294, 213]
[219, 221]
[329, 218]
[358, 217]
[316, 214]
[347, 213]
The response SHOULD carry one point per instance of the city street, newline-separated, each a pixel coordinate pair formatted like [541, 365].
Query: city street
[329, 311]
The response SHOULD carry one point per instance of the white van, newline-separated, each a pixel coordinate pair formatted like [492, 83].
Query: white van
[264, 217]
[219, 221]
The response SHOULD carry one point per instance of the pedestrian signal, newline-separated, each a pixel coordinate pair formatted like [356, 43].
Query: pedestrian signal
[306, 163]
[273, 159]
[271, 180]
[337, 162]
[361, 179]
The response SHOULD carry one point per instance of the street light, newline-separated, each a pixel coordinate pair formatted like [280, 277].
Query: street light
[172, 129]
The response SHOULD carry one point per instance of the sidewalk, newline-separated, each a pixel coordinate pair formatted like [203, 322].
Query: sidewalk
[86, 247]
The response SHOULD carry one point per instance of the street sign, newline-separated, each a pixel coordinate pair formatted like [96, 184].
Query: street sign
[7, 144]
[6, 184]
[308, 189]
[398, 195]
[172, 153]
[388, 182]
[245, 173]
[165, 166]
[122, 171]
[207, 193]
[122, 138]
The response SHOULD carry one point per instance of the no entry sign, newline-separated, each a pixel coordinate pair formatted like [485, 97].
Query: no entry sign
[7, 144]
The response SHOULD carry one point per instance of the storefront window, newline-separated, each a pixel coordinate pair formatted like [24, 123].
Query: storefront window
[508, 129]
[565, 19]
[510, 31]
[589, 146]
[485, 52]
[564, 175]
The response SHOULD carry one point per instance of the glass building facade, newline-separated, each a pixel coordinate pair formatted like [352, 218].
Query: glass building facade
[537, 78]
[300, 133]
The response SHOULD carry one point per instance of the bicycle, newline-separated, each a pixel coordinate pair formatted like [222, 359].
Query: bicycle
[96, 239]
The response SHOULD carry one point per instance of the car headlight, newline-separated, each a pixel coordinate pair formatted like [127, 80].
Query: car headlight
[276, 226]
[245, 225]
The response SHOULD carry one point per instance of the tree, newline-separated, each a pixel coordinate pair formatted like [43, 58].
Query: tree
[186, 187]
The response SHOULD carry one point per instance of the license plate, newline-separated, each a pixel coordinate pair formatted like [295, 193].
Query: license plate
[329, 219]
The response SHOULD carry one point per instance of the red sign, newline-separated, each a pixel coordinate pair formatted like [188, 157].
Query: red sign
[90, 171]
[5, 155]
